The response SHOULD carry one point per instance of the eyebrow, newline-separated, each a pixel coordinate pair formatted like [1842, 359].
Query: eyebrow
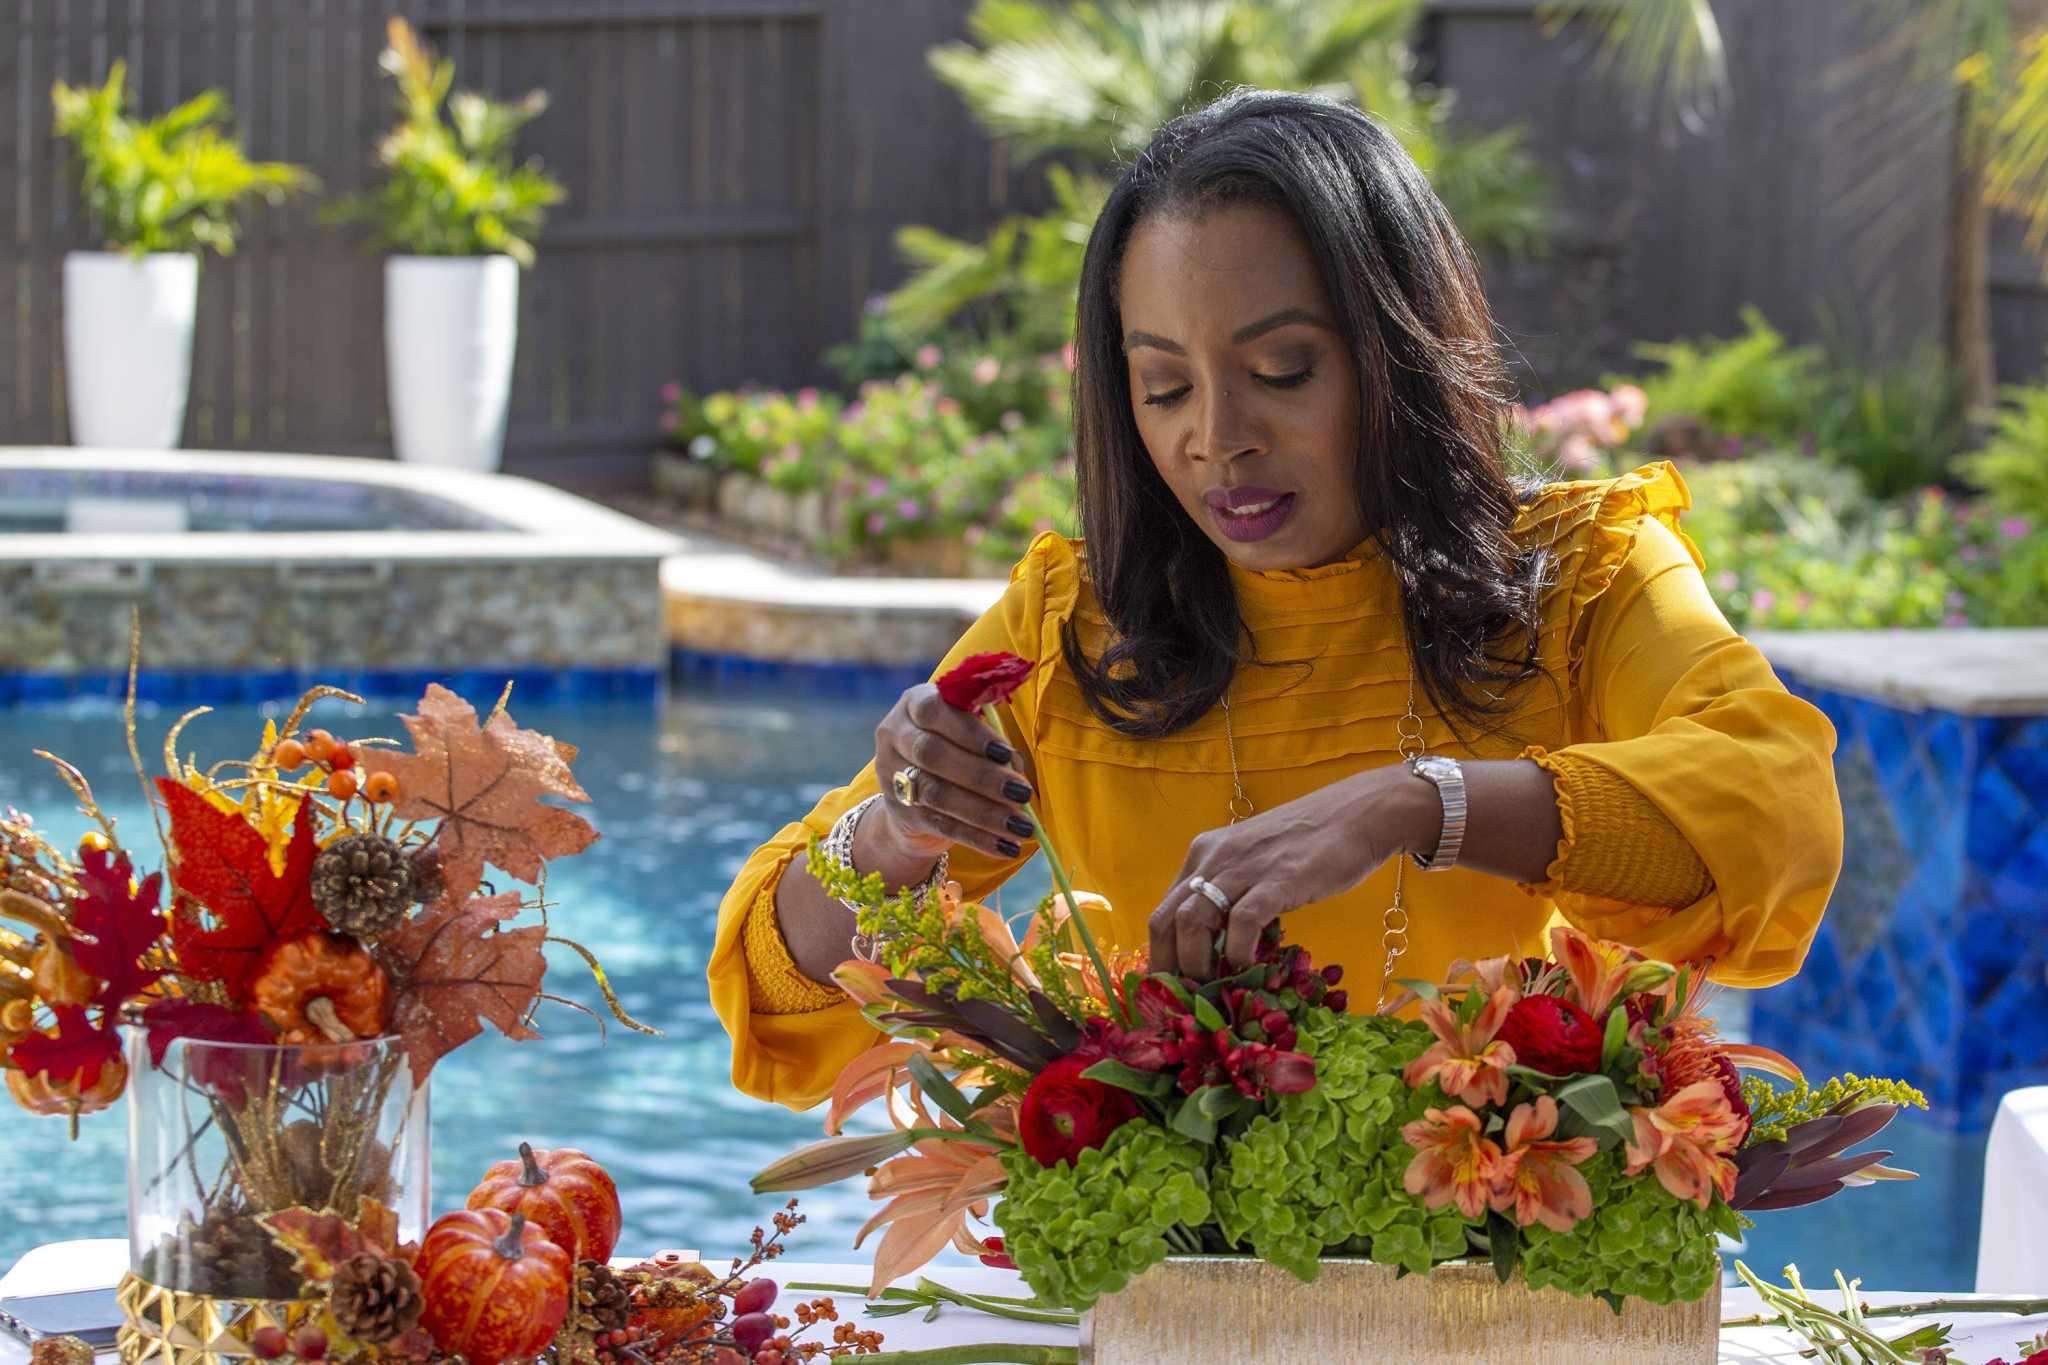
[1250, 332]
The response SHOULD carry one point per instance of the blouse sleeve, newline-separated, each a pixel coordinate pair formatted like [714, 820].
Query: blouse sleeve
[1689, 714]
[793, 1058]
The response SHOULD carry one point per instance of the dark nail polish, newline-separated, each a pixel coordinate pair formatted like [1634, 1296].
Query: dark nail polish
[999, 751]
[1019, 826]
[1008, 848]
[1013, 790]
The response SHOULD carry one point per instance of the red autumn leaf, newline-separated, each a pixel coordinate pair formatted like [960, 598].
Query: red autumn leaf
[124, 925]
[224, 864]
[983, 680]
[169, 1020]
[453, 969]
[484, 784]
[77, 1051]
[319, 1242]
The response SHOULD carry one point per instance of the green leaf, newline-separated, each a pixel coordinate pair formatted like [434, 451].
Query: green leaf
[1191, 1123]
[942, 1091]
[1616, 1039]
[1151, 1084]
[1208, 1016]
[1215, 1101]
[1610, 1298]
[1595, 1105]
[1179, 988]
[1428, 990]
[1504, 1240]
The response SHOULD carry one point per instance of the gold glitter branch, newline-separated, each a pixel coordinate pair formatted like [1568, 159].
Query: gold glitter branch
[604, 985]
[82, 789]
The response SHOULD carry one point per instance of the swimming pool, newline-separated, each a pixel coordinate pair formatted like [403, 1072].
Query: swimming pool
[683, 790]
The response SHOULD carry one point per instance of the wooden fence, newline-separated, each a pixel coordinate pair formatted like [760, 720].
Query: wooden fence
[736, 170]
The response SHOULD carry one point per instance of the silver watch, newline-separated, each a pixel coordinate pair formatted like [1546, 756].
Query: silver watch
[1449, 778]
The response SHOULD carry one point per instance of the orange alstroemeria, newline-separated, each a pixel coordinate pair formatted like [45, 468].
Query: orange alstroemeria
[1687, 1139]
[1465, 1060]
[1455, 1162]
[1537, 1183]
[1600, 970]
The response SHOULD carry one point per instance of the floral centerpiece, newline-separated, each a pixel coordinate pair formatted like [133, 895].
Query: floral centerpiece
[1574, 1120]
[319, 937]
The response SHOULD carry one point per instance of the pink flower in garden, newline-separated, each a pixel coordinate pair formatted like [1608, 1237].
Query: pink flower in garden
[1955, 620]
[909, 509]
[987, 370]
[1631, 405]
[1726, 581]
[1466, 1061]
[877, 486]
[807, 398]
[1011, 420]
[1067, 357]
[1535, 1179]
[948, 406]
[929, 356]
[973, 535]
[1803, 603]
[877, 523]
[671, 392]
[1969, 554]
[2013, 528]
[1763, 599]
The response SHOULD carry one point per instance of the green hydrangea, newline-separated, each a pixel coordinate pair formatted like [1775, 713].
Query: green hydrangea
[1640, 1242]
[1079, 1232]
[1323, 1170]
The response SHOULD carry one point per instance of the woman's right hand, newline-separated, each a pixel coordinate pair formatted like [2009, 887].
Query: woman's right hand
[965, 791]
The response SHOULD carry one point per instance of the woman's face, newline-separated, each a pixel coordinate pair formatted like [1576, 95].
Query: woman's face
[1244, 391]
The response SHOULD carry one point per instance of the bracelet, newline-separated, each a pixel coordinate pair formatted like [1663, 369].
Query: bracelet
[838, 846]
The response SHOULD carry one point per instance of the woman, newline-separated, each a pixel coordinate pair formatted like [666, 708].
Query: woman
[1303, 562]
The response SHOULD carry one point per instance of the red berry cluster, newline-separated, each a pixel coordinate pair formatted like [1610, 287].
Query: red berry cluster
[272, 1343]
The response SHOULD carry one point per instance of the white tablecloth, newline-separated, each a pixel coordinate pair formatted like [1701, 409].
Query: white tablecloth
[85, 1265]
[2012, 1241]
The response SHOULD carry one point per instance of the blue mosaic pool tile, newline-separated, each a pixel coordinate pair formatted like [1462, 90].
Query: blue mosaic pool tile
[878, 681]
[1933, 959]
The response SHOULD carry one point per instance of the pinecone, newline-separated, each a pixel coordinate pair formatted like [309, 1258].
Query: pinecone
[604, 1301]
[362, 884]
[375, 1298]
[229, 1255]
[425, 862]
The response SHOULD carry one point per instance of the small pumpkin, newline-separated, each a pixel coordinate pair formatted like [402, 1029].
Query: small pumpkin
[321, 988]
[58, 979]
[17, 1020]
[572, 1198]
[41, 1094]
[496, 1288]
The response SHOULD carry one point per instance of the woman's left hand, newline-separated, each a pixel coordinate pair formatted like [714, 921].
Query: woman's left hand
[1308, 850]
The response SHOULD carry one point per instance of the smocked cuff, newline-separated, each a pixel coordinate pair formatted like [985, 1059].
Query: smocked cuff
[1616, 844]
[778, 986]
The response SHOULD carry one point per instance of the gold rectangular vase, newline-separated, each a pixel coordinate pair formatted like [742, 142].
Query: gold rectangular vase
[1225, 1310]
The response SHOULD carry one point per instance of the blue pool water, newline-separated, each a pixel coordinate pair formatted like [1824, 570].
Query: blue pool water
[682, 792]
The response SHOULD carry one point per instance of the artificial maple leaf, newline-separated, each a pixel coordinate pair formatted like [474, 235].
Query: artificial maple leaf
[169, 1020]
[484, 784]
[77, 1051]
[452, 968]
[123, 923]
[319, 1241]
[224, 864]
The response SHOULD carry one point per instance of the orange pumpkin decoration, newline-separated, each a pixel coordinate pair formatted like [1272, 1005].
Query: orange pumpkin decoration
[569, 1196]
[58, 979]
[496, 1288]
[39, 1094]
[17, 1020]
[321, 988]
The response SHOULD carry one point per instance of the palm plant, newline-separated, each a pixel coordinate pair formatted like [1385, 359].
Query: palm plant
[1984, 60]
[451, 186]
[172, 183]
[1089, 82]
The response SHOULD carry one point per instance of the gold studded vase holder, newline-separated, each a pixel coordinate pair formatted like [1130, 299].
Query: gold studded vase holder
[1225, 1310]
[221, 1135]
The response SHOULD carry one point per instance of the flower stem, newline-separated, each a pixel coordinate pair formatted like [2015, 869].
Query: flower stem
[930, 1294]
[1110, 987]
[980, 1353]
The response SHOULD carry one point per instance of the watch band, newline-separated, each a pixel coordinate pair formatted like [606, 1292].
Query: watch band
[1449, 779]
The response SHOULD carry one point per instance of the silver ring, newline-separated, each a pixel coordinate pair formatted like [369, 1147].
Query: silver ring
[1209, 889]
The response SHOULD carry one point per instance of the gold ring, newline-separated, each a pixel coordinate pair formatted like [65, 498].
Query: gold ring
[904, 781]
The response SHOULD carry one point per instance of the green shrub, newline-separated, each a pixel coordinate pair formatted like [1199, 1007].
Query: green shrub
[173, 183]
[2012, 468]
[1896, 425]
[451, 187]
[1754, 385]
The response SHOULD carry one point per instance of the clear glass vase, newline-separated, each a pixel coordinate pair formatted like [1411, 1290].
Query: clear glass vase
[221, 1134]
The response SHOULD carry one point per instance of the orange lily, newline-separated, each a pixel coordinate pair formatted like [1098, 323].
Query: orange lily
[1455, 1163]
[1687, 1139]
[1600, 970]
[1536, 1179]
[1465, 1060]
[931, 1192]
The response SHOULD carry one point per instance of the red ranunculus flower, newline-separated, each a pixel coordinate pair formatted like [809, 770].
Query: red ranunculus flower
[983, 680]
[1064, 1115]
[1552, 1035]
[996, 1255]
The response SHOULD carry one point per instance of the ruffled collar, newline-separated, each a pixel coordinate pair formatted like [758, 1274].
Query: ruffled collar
[1354, 580]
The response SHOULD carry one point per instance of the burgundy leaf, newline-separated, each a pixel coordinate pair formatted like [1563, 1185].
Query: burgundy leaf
[1826, 1172]
[1791, 1199]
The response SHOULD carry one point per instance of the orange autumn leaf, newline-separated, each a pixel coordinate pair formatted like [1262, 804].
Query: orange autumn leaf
[483, 785]
[453, 969]
[318, 1241]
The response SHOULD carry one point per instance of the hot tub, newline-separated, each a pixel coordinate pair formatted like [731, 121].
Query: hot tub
[258, 574]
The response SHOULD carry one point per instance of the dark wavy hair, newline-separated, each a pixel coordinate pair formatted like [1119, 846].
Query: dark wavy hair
[1431, 390]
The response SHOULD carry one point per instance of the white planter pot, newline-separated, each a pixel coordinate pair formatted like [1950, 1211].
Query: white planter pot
[451, 324]
[128, 346]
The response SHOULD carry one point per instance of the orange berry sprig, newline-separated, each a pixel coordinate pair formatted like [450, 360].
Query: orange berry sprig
[338, 760]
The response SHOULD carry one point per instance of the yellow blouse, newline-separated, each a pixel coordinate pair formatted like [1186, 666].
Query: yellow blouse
[1697, 796]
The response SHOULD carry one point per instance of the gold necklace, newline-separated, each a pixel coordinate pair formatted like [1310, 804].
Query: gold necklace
[1410, 745]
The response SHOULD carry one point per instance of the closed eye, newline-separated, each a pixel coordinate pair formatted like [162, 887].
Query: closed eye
[1273, 381]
